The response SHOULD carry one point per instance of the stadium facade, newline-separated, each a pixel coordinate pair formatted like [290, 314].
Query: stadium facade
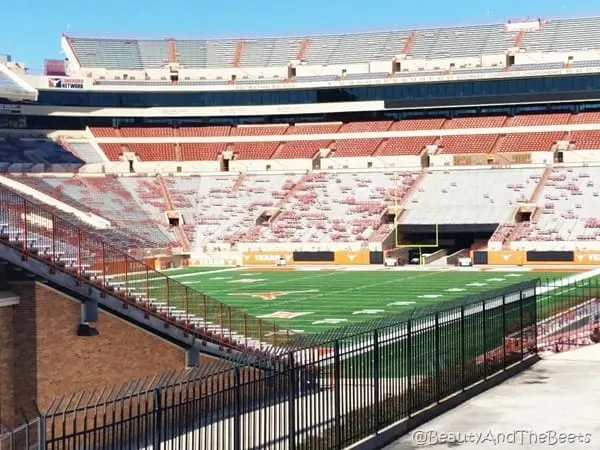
[477, 144]
[397, 112]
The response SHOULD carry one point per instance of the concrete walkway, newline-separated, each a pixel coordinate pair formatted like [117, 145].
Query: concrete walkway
[553, 405]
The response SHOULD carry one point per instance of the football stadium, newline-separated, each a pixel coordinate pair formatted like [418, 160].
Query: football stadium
[291, 242]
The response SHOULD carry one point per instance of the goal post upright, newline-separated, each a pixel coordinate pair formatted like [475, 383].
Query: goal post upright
[436, 201]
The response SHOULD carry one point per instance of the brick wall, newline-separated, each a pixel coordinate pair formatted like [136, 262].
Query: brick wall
[7, 406]
[52, 360]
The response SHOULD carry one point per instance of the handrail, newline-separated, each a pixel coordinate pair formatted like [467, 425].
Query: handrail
[43, 235]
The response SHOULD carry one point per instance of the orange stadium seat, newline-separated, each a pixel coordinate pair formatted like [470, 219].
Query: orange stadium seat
[201, 131]
[365, 127]
[477, 143]
[202, 151]
[418, 124]
[475, 122]
[533, 120]
[154, 152]
[255, 150]
[586, 140]
[405, 145]
[585, 117]
[104, 132]
[259, 130]
[146, 132]
[112, 151]
[529, 142]
[356, 147]
[314, 128]
[300, 149]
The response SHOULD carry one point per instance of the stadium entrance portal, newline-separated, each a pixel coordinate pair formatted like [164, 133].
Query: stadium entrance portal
[453, 241]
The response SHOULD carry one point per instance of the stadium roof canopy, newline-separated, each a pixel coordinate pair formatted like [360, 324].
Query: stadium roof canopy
[13, 88]
[562, 35]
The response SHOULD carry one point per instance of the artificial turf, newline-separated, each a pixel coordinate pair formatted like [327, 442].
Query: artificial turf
[315, 301]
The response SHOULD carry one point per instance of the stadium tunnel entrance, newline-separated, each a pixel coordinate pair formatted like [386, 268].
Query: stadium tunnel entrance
[417, 244]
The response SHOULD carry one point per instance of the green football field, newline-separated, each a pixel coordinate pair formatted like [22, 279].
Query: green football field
[311, 301]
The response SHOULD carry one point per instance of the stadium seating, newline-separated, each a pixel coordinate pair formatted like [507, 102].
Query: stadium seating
[108, 198]
[146, 132]
[356, 147]
[201, 152]
[85, 152]
[35, 151]
[562, 35]
[335, 208]
[529, 142]
[439, 131]
[9, 87]
[256, 150]
[464, 41]
[480, 196]
[569, 202]
[536, 120]
[478, 143]
[475, 122]
[405, 145]
[112, 151]
[585, 140]
[153, 152]
[222, 209]
[205, 131]
[585, 117]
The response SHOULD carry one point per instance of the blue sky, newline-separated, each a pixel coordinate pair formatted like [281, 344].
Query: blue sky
[30, 30]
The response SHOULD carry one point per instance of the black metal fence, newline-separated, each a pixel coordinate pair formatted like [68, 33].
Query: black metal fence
[327, 391]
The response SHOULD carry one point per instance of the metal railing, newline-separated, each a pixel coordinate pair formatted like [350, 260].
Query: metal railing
[41, 234]
[333, 390]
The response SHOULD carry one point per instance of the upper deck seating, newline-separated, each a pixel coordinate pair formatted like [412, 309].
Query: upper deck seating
[405, 145]
[477, 143]
[530, 142]
[533, 120]
[418, 124]
[561, 35]
[154, 152]
[35, 151]
[475, 122]
[585, 140]
[202, 151]
[480, 196]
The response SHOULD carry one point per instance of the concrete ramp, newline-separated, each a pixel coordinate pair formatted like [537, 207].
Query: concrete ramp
[554, 404]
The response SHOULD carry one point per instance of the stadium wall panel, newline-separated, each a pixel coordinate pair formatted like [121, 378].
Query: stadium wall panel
[42, 356]
[314, 257]
[375, 257]
[480, 257]
[266, 258]
[510, 258]
[587, 258]
[350, 258]
[550, 256]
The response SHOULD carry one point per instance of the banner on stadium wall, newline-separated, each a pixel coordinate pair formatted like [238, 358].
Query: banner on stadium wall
[7, 108]
[348, 258]
[267, 258]
[509, 258]
[587, 258]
